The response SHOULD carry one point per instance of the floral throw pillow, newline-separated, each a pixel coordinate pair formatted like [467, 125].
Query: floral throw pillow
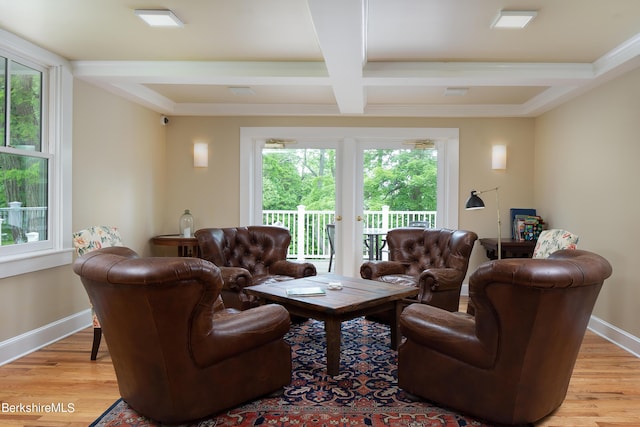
[551, 241]
[95, 238]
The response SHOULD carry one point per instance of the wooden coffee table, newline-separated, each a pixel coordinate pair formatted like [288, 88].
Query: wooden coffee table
[358, 297]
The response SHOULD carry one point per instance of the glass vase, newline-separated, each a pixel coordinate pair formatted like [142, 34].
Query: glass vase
[186, 224]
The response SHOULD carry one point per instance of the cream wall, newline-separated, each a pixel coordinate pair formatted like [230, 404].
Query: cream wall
[586, 180]
[119, 166]
[212, 194]
[130, 171]
[119, 169]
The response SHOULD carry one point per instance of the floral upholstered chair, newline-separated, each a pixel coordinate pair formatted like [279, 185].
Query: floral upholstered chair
[554, 240]
[88, 240]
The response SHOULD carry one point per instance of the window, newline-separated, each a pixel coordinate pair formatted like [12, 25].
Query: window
[35, 129]
[23, 166]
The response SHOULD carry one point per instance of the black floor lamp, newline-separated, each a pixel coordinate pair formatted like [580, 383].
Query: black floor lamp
[475, 202]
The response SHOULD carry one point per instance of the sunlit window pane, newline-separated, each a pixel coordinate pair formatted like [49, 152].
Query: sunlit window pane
[23, 198]
[26, 105]
[3, 90]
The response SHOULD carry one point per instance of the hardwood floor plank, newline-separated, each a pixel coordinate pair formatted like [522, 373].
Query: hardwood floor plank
[62, 375]
[604, 390]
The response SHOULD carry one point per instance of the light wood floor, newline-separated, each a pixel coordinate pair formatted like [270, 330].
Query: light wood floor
[604, 390]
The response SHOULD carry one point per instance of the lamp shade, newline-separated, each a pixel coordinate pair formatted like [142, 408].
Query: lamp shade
[474, 201]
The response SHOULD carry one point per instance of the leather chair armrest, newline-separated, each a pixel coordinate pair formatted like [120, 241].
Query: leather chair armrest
[236, 333]
[235, 278]
[435, 280]
[292, 269]
[452, 334]
[374, 269]
[440, 279]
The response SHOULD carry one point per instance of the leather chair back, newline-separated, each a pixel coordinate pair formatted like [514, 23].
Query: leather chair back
[510, 363]
[177, 353]
[253, 248]
[422, 249]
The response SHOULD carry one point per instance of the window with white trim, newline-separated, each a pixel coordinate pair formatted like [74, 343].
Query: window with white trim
[24, 165]
[35, 129]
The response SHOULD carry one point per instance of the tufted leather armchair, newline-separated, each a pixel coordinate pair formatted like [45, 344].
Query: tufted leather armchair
[249, 256]
[434, 260]
[178, 354]
[510, 363]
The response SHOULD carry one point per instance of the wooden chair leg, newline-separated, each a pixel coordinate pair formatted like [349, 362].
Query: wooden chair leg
[97, 337]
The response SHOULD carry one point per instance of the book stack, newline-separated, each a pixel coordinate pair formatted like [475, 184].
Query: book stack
[527, 227]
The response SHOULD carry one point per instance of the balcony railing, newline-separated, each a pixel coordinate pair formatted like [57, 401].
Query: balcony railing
[308, 228]
[19, 224]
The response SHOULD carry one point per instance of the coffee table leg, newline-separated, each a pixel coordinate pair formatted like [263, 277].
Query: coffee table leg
[396, 336]
[332, 331]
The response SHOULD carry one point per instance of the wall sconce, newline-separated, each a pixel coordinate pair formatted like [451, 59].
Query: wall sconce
[499, 157]
[200, 155]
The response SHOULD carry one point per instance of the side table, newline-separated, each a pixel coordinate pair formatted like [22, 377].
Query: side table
[187, 246]
[510, 248]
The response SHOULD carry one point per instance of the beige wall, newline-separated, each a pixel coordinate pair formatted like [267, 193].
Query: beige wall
[212, 194]
[130, 171]
[118, 178]
[586, 181]
[119, 166]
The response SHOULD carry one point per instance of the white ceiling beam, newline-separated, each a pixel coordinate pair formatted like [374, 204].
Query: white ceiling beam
[315, 73]
[204, 72]
[475, 73]
[215, 109]
[344, 72]
[144, 96]
[339, 26]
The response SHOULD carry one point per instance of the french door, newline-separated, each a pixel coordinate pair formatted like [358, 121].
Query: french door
[347, 148]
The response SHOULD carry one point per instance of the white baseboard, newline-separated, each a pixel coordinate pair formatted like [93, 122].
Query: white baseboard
[611, 333]
[621, 338]
[21, 345]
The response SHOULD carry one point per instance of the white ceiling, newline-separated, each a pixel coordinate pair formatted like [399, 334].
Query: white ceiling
[338, 57]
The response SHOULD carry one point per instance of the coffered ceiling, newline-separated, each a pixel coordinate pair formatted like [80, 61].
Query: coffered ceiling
[338, 57]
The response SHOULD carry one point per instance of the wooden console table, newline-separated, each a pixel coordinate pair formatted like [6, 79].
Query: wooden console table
[510, 248]
[187, 246]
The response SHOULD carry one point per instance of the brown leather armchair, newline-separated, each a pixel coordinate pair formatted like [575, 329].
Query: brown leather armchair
[434, 260]
[249, 256]
[178, 354]
[512, 362]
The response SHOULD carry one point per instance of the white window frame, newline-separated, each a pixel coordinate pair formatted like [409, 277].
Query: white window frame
[348, 201]
[57, 111]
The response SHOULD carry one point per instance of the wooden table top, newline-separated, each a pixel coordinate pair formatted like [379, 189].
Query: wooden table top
[173, 240]
[356, 294]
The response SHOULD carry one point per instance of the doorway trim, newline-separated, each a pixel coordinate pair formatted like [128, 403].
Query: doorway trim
[252, 139]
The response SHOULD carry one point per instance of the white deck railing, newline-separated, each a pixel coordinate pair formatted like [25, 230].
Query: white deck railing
[308, 228]
[20, 220]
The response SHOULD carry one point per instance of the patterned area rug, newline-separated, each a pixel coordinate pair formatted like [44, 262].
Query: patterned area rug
[365, 393]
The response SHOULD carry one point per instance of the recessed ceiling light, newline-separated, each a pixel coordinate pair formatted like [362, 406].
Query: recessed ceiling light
[513, 18]
[159, 17]
[456, 91]
[242, 90]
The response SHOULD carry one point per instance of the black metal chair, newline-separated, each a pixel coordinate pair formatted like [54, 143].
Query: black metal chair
[331, 234]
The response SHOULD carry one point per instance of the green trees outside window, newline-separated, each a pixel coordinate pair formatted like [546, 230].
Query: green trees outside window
[23, 167]
[402, 179]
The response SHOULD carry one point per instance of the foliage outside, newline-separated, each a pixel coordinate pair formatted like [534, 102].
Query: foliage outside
[23, 177]
[404, 180]
[401, 179]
